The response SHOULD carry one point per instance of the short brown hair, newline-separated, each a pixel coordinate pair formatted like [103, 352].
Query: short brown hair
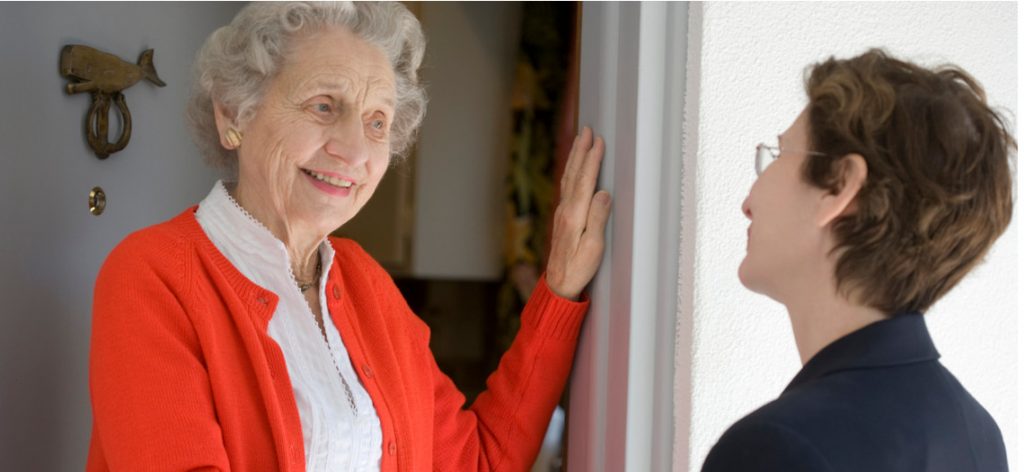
[939, 189]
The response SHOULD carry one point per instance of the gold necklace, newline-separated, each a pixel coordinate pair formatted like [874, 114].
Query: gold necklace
[303, 286]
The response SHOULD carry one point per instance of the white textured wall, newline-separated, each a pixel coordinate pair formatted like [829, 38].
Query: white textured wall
[750, 60]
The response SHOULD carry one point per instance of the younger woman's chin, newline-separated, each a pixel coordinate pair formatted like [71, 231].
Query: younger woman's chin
[747, 277]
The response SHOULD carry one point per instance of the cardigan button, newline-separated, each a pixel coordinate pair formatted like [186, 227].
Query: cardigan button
[392, 448]
[368, 371]
[337, 292]
[263, 300]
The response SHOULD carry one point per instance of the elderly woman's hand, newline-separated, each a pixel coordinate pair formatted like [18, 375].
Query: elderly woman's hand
[577, 240]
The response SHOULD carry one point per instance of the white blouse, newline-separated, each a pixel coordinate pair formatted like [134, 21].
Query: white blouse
[335, 437]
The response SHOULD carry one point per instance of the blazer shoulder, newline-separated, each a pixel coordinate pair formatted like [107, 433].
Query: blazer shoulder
[986, 439]
[760, 442]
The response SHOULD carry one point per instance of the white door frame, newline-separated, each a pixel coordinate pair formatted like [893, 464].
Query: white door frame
[632, 89]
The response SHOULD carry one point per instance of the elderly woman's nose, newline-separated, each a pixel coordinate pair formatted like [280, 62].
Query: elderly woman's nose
[347, 141]
[746, 207]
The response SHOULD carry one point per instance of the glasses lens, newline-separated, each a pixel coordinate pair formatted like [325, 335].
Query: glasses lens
[762, 159]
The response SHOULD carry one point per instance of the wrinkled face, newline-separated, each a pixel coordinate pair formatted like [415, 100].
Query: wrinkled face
[783, 240]
[318, 144]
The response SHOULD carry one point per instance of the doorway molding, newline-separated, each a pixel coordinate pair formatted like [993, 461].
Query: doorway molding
[622, 410]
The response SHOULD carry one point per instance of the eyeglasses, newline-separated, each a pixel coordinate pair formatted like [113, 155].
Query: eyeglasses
[766, 155]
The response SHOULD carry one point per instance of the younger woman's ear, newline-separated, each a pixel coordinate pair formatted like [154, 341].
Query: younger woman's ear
[852, 175]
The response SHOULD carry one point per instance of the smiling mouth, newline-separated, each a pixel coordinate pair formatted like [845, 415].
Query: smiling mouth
[334, 181]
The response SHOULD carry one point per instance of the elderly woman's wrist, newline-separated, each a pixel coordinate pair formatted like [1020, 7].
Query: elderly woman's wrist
[557, 288]
[553, 314]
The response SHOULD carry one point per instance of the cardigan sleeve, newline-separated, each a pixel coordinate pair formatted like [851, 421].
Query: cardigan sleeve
[505, 426]
[151, 395]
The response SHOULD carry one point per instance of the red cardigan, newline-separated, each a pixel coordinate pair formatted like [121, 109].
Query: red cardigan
[184, 376]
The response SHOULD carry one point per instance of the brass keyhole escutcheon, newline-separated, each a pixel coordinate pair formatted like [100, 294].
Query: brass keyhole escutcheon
[97, 201]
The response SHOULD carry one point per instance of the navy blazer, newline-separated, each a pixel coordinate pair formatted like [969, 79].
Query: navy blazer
[874, 400]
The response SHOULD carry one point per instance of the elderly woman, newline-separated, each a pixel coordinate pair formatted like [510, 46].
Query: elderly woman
[884, 193]
[238, 336]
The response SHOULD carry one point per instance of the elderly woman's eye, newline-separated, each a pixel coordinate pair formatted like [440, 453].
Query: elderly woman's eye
[377, 128]
[323, 107]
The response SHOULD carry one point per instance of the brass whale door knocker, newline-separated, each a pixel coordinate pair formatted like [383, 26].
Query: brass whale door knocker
[105, 76]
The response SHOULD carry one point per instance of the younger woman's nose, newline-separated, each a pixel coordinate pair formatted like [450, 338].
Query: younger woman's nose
[746, 207]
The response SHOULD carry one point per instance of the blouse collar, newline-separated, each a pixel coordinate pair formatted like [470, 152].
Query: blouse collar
[239, 235]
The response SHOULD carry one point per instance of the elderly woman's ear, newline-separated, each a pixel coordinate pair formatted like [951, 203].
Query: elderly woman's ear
[227, 127]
